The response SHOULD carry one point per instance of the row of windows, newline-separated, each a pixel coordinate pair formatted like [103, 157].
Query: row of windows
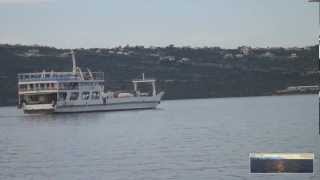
[68, 86]
[75, 85]
[91, 84]
[49, 86]
[84, 95]
[40, 86]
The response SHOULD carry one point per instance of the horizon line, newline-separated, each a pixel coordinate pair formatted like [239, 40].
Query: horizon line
[157, 46]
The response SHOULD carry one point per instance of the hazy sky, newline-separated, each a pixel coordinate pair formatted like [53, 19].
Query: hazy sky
[108, 23]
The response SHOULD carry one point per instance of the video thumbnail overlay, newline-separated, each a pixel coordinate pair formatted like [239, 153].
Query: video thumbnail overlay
[281, 162]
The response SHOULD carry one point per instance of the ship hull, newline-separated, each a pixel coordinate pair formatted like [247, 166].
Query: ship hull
[38, 111]
[116, 104]
[107, 107]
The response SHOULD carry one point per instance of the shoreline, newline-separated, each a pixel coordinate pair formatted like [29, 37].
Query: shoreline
[254, 96]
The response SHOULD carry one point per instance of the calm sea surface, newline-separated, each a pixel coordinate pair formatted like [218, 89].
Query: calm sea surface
[186, 140]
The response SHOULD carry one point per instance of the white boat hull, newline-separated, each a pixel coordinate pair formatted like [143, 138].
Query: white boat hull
[107, 107]
[116, 104]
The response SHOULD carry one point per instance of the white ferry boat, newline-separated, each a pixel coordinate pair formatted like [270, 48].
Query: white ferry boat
[77, 91]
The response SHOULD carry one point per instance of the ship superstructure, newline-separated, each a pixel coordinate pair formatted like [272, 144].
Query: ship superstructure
[79, 91]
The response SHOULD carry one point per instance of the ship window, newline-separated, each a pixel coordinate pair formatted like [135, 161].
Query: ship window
[23, 87]
[75, 86]
[95, 95]
[34, 98]
[74, 96]
[63, 96]
[61, 86]
[85, 95]
[84, 84]
[67, 85]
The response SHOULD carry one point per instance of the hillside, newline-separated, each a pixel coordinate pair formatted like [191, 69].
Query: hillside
[183, 72]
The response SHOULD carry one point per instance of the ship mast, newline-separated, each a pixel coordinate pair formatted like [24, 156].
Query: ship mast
[74, 65]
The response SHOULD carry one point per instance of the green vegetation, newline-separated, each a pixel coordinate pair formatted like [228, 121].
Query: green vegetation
[182, 72]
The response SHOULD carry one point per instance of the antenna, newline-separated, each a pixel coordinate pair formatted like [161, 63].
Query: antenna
[74, 65]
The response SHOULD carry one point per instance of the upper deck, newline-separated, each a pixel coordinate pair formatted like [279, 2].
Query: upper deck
[61, 76]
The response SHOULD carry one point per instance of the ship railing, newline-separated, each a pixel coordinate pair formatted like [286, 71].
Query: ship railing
[60, 76]
[143, 80]
[46, 89]
[37, 89]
